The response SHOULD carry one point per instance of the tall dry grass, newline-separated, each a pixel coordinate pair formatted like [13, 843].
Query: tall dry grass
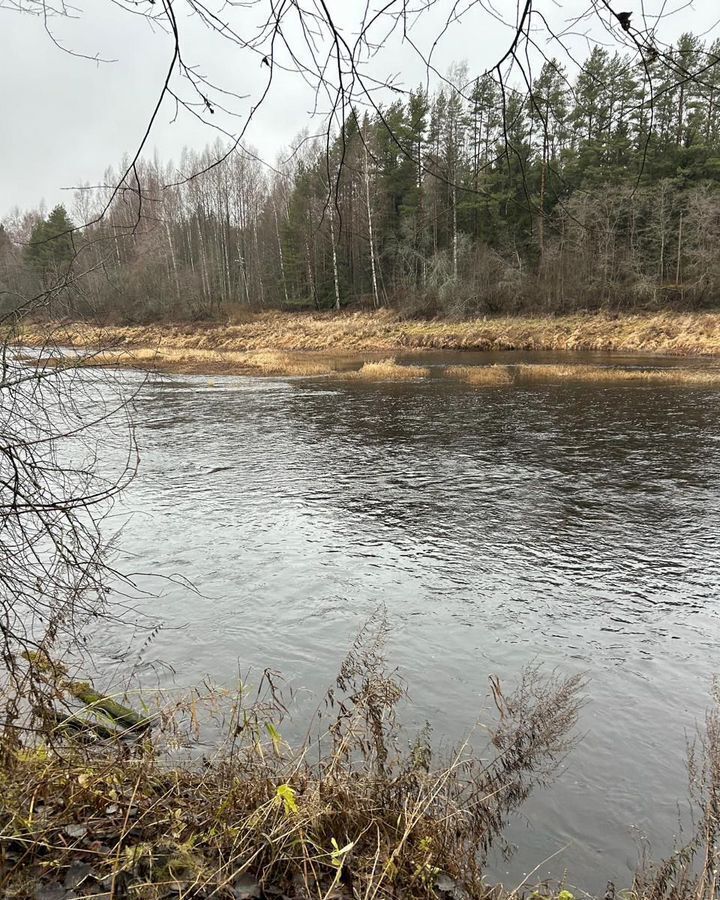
[692, 872]
[355, 810]
[199, 361]
[659, 333]
[488, 376]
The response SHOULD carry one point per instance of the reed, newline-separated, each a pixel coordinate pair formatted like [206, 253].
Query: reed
[273, 363]
[198, 361]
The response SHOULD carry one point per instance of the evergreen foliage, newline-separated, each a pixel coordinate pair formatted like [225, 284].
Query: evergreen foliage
[51, 242]
[598, 190]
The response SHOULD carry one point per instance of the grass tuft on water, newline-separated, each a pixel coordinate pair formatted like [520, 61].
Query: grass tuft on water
[489, 376]
[613, 375]
[388, 370]
[480, 376]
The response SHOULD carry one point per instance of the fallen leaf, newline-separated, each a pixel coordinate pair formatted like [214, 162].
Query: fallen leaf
[76, 875]
[246, 888]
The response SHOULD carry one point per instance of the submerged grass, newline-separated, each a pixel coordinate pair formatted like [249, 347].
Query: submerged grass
[357, 810]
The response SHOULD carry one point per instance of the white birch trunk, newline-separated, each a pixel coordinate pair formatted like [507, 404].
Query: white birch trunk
[334, 259]
[376, 298]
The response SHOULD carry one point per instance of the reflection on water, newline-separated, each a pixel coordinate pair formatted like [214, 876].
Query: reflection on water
[573, 525]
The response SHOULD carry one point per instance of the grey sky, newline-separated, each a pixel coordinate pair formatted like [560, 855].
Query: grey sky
[65, 119]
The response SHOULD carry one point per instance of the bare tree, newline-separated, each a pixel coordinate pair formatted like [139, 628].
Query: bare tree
[67, 450]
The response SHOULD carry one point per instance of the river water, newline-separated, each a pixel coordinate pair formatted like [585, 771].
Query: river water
[575, 526]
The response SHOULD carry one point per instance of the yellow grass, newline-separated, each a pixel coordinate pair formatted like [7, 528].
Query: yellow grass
[595, 374]
[490, 376]
[272, 363]
[388, 369]
[269, 363]
[666, 333]
[173, 359]
[310, 344]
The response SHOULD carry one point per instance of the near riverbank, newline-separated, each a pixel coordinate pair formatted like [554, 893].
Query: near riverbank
[95, 802]
[201, 347]
[94, 806]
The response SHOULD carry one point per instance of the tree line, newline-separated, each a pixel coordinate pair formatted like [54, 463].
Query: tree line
[597, 191]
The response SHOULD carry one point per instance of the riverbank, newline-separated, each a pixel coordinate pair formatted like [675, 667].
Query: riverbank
[323, 338]
[96, 804]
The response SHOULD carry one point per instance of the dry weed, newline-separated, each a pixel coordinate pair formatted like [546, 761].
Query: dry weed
[692, 872]
[356, 811]
[273, 363]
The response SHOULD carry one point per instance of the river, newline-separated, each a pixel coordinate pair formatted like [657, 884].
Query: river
[575, 526]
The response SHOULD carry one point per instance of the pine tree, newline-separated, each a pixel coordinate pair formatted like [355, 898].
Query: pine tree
[51, 247]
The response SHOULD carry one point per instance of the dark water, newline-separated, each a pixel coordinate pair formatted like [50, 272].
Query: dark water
[575, 526]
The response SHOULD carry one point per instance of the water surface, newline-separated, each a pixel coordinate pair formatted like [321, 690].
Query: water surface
[571, 525]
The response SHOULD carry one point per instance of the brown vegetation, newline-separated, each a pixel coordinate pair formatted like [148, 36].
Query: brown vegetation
[388, 370]
[612, 375]
[355, 811]
[198, 361]
[660, 333]
[490, 376]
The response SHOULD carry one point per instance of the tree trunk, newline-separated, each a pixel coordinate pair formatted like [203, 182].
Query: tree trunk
[455, 232]
[679, 251]
[173, 261]
[376, 299]
[334, 258]
[280, 255]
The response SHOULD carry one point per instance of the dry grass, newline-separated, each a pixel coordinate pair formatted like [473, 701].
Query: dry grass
[301, 364]
[273, 363]
[224, 361]
[660, 333]
[693, 870]
[200, 361]
[357, 810]
[609, 375]
[480, 376]
[489, 376]
[388, 370]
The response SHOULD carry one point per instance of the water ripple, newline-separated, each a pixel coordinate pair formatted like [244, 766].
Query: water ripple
[574, 526]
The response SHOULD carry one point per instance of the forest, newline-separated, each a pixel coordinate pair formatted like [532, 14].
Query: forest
[592, 192]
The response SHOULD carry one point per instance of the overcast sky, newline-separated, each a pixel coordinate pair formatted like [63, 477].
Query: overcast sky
[65, 119]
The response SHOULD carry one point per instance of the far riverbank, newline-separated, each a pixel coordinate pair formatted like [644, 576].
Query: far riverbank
[316, 341]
